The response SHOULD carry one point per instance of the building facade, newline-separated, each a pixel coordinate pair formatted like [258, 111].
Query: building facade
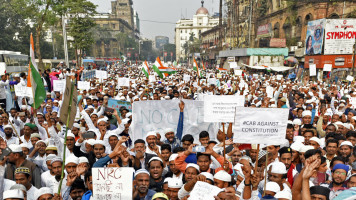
[192, 28]
[160, 41]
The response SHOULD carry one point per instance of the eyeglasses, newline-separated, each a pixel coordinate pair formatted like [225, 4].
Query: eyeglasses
[342, 173]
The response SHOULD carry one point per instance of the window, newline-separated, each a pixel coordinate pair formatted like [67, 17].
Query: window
[113, 26]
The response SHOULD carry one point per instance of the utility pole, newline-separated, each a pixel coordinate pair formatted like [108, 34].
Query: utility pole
[238, 24]
[353, 59]
[65, 42]
[220, 24]
[249, 26]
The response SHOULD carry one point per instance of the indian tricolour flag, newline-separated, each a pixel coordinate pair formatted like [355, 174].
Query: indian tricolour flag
[146, 69]
[196, 67]
[155, 67]
[34, 80]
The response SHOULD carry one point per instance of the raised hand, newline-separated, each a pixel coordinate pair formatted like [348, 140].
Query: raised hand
[81, 169]
[71, 178]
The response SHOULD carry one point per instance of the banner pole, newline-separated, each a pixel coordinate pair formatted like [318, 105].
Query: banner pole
[65, 138]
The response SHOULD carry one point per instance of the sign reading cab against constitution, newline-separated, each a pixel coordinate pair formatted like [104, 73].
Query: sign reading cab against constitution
[112, 183]
[260, 125]
[221, 108]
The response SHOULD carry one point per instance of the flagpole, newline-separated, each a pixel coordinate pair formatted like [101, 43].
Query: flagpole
[65, 138]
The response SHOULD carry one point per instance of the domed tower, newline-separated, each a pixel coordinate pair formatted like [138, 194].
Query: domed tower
[202, 10]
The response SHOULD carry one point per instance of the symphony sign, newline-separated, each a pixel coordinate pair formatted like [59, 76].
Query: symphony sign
[339, 36]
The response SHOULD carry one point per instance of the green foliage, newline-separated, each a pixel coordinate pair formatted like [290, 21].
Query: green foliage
[262, 8]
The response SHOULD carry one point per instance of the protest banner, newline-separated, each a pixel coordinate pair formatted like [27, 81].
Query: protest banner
[2, 68]
[233, 65]
[204, 191]
[101, 74]
[159, 115]
[269, 91]
[186, 78]
[59, 85]
[352, 101]
[112, 183]
[260, 125]
[116, 104]
[312, 70]
[23, 91]
[279, 77]
[123, 82]
[238, 72]
[221, 108]
[83, 85]
[212, 81]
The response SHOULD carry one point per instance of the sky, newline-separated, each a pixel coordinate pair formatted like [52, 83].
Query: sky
[162, 11]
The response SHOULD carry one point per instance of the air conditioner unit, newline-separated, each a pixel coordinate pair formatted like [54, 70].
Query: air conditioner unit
[300, 44]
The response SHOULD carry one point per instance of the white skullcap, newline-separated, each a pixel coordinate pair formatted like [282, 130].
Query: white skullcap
[208, 176]
[166, 180]
[41, 141]
[13, 194]
[167, 130]
[125, 121]
[42, 191]
[278, 168]
[102, 120]
[349, 126]
[273, 187]
[306, 113]
[316, 140]
[72, 159]
[23, 107]
[129, 114]
[155, 158]
[347, 143]
[23, 145]
[18, 187]
[173, 157]
[290, 122]
[15, 148]
[167, 97]
[70, 134]
[90, 107]
[222, 176]
[297, 122]
[339, 123]
[50, 157]
[305, 148]
[76, 125]
[283, 195]
[151, 133]
[296, 146]
[193, 165]
[175, 183]
[141, 171]
[91, 141]
[83, 160]
[7, 126]
[99, 142]
[298, 139]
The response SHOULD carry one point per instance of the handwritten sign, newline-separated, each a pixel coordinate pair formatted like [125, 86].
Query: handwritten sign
[352, 101]
[123, 82]
[152, 78]
[22, 91]
[238, 72]
[204, 191]
[65, 112]
[233, 65]
[116, 104]
[212, 81]
[221, 108]
[260, 125]
[279, 77]
[350, 78]
[83, 85]
[59, 85]
[112, 183]
[312, 70]
[158, 115]
[101, 74]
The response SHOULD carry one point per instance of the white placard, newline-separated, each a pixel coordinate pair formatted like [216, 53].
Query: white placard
[2, 68]
[269, 91]
[260, 125]
[22, 91]
[312, 70]
[112, 183]
[186, 78]
[195, 84]
[350, 78]
[352, 101]
[279, 77]
[204, 191]
[152, 78]
[233, 65]
[212, 81]
[83, 85]
[339, 36]
[221, 108]
[159, 115]
[238, 72]
[255, 75]
[101, 74]
[327, 67]
[123, 82]
[59, 85]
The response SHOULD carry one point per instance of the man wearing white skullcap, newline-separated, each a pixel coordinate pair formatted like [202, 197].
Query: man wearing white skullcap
[141, 185]
[9, 138]
[152, 147]
[174, 186]
[13, 195]
[306, 117]
[71, 164]
[44, 193]
[222, 179]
